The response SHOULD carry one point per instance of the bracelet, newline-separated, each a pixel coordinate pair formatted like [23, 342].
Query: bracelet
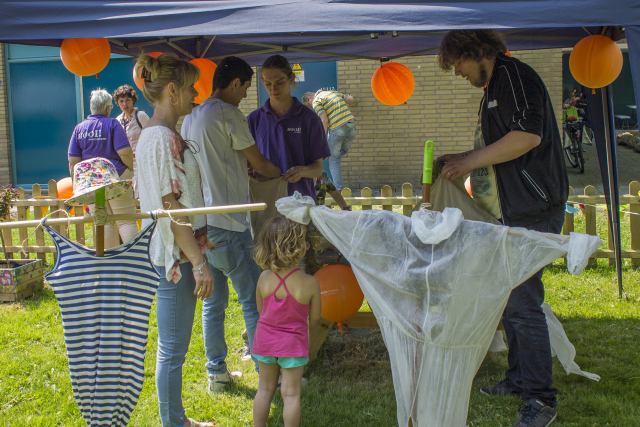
[200, 267]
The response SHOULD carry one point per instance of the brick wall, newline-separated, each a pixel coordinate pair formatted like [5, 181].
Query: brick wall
[5, 139]
[389, 143]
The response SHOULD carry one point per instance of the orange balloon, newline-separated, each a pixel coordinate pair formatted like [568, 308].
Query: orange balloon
[467, 185]
[64, 188]
[596, 61]
[392, 83]
[85, 57]
[138, 80]
[340, 293]
[204, 85]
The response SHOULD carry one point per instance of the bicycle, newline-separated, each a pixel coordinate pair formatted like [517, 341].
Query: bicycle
[574, 152]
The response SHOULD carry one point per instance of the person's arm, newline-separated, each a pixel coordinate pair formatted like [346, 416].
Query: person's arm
[183, 236]
[325, 121]
[509, 147]
[259, 301]
[126, 155]
[349, 99]
[260, 163]
[337, 197]
[73, 161]
[296, 173]
[315, 309]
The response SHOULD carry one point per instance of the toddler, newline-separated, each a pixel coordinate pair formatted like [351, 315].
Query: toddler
[286, 298]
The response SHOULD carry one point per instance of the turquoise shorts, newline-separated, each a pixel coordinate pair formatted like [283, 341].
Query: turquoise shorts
[284, 362]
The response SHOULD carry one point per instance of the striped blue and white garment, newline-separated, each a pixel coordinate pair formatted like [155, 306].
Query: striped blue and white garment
[105, 303]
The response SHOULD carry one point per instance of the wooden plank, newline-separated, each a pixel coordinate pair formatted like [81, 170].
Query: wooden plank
[79, 211]
[378, 201]
[590, 220]
[346, 192]
[407, 191]
[22, 232]
[36, 191]
[317, 337]
[7, 237]
[387, 192]
[634, 222]
[53, 193]
[592, 199]
[36, 202]
[33, 249]
[365, 193]
[568, 221]
[360, 320]
[608, 253]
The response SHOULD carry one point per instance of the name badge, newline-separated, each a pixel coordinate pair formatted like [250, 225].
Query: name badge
[492, 104]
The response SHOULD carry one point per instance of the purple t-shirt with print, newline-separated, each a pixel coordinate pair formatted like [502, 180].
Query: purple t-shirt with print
[99, 136]
[295, 139]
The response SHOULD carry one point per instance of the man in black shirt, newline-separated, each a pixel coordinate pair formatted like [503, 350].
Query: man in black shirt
[519, 176]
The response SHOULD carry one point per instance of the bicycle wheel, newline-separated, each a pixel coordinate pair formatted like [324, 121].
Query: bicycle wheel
[576, 150]
[569, 151]
[588, 136]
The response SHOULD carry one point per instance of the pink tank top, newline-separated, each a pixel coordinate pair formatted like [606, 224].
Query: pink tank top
[282, 329]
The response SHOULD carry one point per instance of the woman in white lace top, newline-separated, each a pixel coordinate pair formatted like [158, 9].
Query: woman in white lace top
[169, 178]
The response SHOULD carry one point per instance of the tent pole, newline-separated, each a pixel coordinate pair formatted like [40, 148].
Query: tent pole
[612, 176]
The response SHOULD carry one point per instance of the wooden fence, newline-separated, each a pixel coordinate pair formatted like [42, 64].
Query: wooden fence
[38, 206]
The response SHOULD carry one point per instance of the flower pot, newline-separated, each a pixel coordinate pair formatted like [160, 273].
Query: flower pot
[20, 279]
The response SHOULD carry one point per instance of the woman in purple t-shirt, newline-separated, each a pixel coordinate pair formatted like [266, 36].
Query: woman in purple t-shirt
[102, 136]
[286, 132]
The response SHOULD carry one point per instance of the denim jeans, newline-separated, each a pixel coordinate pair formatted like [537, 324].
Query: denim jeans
[339, 140]
[176, 306]
[530, 367]
[231, 258]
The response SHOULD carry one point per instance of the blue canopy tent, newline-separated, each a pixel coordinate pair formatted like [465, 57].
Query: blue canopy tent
[329, 30]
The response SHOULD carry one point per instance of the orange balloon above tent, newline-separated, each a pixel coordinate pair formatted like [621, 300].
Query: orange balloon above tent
[204, 85]
[596, 61]
[340, 293]
[137, 80]
[392, 83]
[85, 57]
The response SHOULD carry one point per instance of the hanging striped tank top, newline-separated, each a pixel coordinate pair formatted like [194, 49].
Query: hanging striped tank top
[105, 303]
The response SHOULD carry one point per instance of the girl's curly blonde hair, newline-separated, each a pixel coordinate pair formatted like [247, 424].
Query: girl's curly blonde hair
[282, 243]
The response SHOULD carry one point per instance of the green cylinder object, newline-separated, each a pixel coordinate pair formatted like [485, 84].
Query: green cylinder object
[100, 196]
[427, 166]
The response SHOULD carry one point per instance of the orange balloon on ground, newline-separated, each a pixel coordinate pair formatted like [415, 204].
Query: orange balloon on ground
[137, 80]
[85, 57]
[467, 185]
[341, 296]
[392, 83]
[596, 61]
[204, 85]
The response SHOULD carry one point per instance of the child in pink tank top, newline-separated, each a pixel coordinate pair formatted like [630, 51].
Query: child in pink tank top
[289, 304]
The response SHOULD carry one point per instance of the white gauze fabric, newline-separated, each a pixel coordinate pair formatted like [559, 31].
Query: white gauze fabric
[437, 303]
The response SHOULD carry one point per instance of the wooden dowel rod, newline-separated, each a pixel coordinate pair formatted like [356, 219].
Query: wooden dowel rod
[142, 215]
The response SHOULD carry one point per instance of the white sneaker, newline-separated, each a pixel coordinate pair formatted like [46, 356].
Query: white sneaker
[245, 354]
[217, 383]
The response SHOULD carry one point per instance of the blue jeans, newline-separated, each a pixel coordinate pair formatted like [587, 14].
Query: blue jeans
[231, 258]
[176, 306]
[530, 368]
[339, 140]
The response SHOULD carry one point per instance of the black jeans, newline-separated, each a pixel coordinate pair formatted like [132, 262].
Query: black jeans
[530, 367]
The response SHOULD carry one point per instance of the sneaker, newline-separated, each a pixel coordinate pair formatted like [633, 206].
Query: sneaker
[245, 354]
[536, 414]
[217, 383]
[500, 389]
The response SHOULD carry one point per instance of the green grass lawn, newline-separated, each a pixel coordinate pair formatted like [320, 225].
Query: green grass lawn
[350, 382]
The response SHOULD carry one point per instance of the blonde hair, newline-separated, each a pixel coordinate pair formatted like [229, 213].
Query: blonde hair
[159, 72]
[282, 243]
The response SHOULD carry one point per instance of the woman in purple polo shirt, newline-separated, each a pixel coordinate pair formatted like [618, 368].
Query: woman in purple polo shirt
[286, 132]
[102, 136]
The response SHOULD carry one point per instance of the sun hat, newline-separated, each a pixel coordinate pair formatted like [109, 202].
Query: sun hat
[93, 174]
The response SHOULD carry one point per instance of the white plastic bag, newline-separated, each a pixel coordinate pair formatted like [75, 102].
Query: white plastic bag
[437, 305]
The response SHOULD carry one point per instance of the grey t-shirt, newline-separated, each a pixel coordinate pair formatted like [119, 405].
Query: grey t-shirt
[221, 131]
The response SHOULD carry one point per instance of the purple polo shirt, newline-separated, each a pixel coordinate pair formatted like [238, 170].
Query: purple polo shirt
[99, 136]
[295, 139]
